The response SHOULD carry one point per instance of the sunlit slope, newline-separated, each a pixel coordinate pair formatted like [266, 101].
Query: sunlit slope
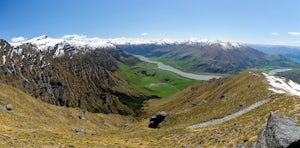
[33, 123]
[216, 99]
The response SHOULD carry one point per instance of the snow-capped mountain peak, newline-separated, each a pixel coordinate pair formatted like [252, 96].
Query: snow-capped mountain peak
[82, 42]
[44, 42]
[224, 45]
[39, 38]
[101, 42]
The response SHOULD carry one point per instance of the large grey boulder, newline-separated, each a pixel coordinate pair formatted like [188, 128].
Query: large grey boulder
[280, 132]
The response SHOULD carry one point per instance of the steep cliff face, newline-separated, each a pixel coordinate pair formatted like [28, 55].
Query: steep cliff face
[70, 76]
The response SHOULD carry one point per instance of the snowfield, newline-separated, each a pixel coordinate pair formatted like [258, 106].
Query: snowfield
[282, 85]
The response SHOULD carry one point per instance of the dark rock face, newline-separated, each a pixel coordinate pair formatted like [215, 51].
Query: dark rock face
[279, 132]
[294, 144]
[157, 119]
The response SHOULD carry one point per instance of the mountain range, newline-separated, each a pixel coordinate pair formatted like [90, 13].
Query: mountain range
[291, 52]
[99, 95]
[76, 71]
[210, 57]
[55, 69]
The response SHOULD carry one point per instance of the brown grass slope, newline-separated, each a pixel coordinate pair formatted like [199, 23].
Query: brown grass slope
[36, 124]
[216, 99]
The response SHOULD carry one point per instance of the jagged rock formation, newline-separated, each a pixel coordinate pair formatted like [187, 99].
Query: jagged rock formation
[279, 132]
[157, 119]
[70, 76]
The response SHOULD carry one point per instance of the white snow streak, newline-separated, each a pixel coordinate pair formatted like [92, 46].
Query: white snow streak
[282, 85]
[4, 59]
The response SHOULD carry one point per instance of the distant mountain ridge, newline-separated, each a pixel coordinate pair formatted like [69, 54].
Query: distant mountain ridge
[82, 41]
[291, 52]
[213, 57]
[189, 55]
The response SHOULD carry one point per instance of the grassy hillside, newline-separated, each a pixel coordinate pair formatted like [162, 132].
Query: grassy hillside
[147, 78]
[216, 99]
[34, 123]
[183, 62]
[292, 74]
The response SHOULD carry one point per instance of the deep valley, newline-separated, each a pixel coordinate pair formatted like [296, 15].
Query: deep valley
[90, 93]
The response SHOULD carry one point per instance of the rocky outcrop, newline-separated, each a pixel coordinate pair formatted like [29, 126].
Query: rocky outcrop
[9, 107]
[79, 131]
[157, 119]
[81, 117]
[280, 132]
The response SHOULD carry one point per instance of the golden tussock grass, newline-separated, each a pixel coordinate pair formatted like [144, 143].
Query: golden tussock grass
[34, 123]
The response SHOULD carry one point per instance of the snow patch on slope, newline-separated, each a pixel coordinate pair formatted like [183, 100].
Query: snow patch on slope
[282, 85]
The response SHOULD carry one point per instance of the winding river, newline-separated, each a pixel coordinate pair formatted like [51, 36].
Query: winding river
[177, 71]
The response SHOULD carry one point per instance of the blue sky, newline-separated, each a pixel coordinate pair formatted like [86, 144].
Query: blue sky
[251, 21]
